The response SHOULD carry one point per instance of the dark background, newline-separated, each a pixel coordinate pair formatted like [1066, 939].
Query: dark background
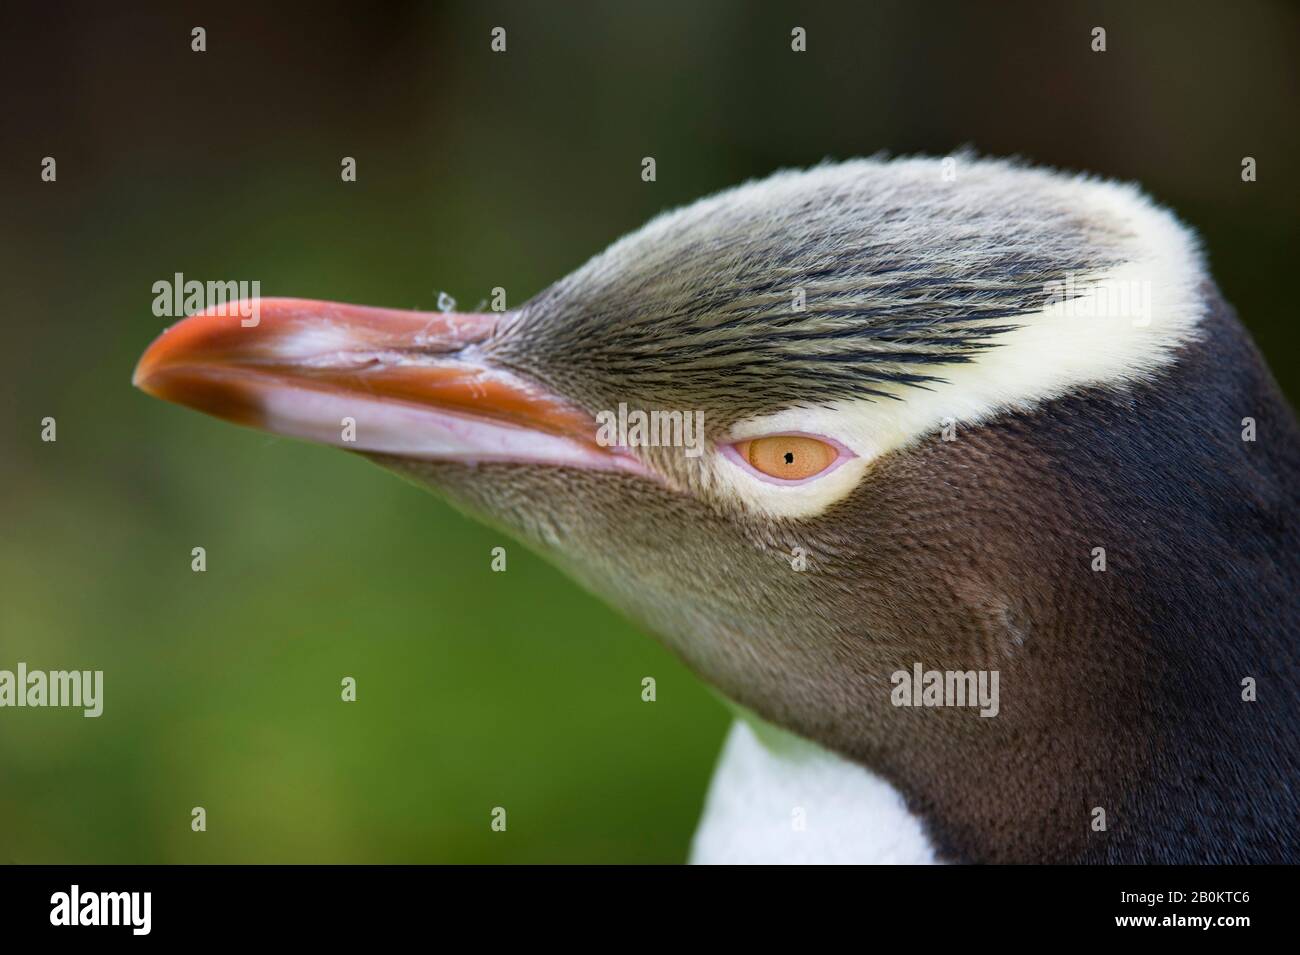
[475, 170]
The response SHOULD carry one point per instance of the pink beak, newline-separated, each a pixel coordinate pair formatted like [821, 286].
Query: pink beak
[368, 379]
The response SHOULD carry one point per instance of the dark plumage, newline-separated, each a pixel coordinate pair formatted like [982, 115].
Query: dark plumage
[930, 305]
[902, 273]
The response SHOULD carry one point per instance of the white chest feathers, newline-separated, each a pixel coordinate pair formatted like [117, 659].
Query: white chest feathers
[779, 799]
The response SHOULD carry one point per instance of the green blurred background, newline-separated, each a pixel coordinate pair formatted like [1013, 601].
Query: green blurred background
[475, 170]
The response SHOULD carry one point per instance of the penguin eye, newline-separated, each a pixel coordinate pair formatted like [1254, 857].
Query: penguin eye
[789, 457]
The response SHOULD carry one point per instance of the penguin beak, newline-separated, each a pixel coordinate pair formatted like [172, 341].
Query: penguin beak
[374, 380]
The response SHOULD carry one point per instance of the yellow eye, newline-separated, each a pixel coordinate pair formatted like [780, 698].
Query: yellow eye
[790, 457]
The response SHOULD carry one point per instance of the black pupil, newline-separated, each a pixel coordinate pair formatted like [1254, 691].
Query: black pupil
[789, 457]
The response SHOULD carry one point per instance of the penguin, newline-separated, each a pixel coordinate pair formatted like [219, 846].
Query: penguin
[982, 426]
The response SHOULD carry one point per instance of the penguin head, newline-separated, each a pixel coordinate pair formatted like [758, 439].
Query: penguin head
[754, 424]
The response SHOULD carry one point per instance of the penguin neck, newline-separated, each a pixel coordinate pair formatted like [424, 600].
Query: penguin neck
[1126, 733]
[776, 798]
